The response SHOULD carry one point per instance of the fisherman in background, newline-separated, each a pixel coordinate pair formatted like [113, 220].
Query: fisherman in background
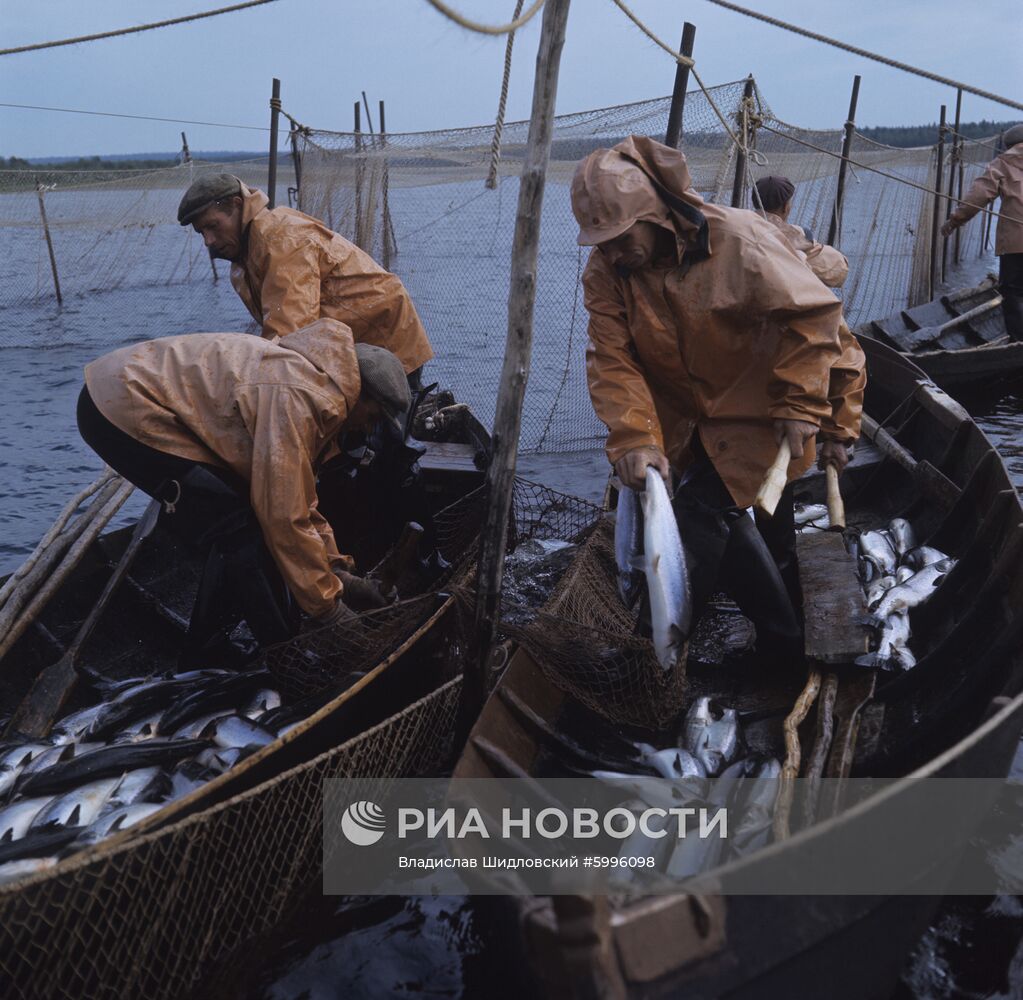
[290, 269]
[1003, 179]
[226, 430]
[710, 341]
[840, 429]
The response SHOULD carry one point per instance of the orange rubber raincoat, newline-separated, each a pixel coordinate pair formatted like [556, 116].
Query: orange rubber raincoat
[265, 409]
[723, 345]
[1003, 178]
[848, 374]
[295, 270]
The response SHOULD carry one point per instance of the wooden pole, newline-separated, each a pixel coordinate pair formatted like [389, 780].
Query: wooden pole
[956, 145]
[186, 156]
[388, 234]
[296, 162]
[358, 174]
[850, 131]
[936, 212]
[673, 134]
[515, 371]
[959, 195]
[738, 185]
[275, 115]
[49, 242]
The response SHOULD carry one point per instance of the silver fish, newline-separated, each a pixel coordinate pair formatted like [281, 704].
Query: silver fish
[263, 701]
[902, 535]
[74, 726]
[655, 792]
[639, 845]
[724, 786]
[913, 592]
[17, 817]
[674, 762]
[922, 556]
[220, 759]
[628, 545]
[48, 757]
[78, 807]
[235, 731]
[10, 871]
[694, 854]
[876, 588]
[118, 819]
[137, 786]
[139, 730]
[22, 755]
[894, 634]
[903, 573]
[667, 575]
[816, 513]
[756, 810]
[192, 730]
[711, 733]
[877, 549]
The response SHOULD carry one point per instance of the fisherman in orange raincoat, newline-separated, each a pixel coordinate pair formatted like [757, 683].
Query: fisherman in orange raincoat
[227, 430]
[710, 341]
[290, 269]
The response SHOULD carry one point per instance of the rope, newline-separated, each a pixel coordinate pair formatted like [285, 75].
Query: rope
[485, 29]
[877, 170]
[866, 54]
[144, 118]
[135, 30]
[674, 53]
[495, 146]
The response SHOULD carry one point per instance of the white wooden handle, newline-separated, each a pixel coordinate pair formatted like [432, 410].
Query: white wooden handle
[836, 508]
[775, 480]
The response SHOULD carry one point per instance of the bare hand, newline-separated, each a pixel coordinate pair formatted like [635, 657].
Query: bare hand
[631, 467]
[361, 593]
[797, 432]
[949, 228]
[833, 453]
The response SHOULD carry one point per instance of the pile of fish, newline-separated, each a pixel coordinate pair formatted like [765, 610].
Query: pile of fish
[898, 574]
[648, 550]
[104, 768]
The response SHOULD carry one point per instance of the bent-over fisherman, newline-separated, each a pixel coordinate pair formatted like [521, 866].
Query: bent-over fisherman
[710, 341]
[1003, 179]
[290, 269]
[227, 430]
[840, 429]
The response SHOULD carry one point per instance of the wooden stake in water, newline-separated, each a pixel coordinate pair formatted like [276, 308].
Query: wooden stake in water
[521, 299]
[49, 242]
[275, 115]
[673, 133]
[850, 130]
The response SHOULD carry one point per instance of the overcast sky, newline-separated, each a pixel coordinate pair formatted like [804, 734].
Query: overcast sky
[432, 74]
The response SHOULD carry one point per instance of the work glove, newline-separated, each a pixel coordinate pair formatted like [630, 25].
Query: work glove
[338, 615]
[362, 593]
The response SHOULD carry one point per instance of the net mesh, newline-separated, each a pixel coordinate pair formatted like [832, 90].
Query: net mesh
[585, 641]
[419, 204]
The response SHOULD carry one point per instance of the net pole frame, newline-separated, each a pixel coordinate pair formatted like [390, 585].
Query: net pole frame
[936, 211]
[673, 133]
[850, 130]
[275, 120]
[956, 147]
[739, 182]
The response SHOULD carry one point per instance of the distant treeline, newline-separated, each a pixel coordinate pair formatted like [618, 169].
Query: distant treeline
[927, 135]
[83, 163]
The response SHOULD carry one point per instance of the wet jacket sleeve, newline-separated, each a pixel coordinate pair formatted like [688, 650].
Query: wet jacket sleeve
[618, 388]
[779, 287]
[982, 192]
[830, 265]
[283, 495]
[290, 293]
[845, 391]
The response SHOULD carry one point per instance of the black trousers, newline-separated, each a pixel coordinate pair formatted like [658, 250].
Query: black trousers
[727, 551]
[208, 506]
[1010, 284]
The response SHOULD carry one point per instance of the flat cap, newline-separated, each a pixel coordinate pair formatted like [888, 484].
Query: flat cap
[383, 377]
[1012, 136]
[204, 191]
[774, 192]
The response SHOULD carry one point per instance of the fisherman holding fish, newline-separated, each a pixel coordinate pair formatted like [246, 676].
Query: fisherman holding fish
[290, 269]
[227, 431]
[710, 342]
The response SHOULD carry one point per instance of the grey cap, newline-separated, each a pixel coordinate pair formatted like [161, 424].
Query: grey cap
[1012, 136]
[204, 191]
[383, 377]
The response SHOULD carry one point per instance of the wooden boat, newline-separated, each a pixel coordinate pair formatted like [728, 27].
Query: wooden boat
[959, 712]
[359, 675]
[958, 339]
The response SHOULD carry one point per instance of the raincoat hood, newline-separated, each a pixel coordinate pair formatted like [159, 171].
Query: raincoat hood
[253, 202]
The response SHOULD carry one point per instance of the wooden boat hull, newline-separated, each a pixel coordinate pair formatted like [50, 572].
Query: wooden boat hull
[971, 352]
[958, 713]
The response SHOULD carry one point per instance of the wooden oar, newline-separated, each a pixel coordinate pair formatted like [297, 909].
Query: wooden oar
[36, 714]
[775, 480]
[836, 508]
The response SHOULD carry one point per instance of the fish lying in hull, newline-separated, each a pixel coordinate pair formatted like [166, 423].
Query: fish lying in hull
[16, 819]
[876, 551]
[914, 592]
[666, 572]
[79, 807]
[711, 733]
[923, 556]
[903, 537]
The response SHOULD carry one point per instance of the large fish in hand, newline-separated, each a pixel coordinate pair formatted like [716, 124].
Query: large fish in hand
[667, 575]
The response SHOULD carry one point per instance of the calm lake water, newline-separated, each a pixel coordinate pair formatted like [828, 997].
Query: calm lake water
[429, 947]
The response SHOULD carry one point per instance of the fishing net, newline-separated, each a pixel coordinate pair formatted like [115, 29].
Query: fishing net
[150, 918]
[584, 639]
